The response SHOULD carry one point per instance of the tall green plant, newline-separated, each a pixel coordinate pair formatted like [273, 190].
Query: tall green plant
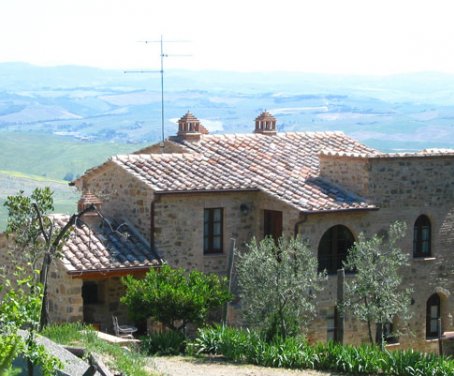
[37, 239]
[174, 296]
[375, 294]
[278, 285]
[20, 309]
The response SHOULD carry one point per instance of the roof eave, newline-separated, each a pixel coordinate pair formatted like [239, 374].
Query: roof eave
[110, 272]
[198, 191]
[329, 211]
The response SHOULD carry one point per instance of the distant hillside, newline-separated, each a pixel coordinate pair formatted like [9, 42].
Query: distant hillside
[11, 182]
[87, 104]
[56, 122]
[54, 157]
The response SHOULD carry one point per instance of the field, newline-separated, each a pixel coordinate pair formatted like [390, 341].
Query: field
[54, 157]
[11, 182]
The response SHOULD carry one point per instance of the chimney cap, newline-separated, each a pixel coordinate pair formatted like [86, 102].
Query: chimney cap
[265, 115]
[265, 123]
[190, 128]
[188, 116]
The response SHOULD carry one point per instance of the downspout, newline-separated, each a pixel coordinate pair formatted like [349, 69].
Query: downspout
[156, 199]
[298, 224]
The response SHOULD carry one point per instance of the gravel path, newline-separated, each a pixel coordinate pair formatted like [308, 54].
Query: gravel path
[187, 366]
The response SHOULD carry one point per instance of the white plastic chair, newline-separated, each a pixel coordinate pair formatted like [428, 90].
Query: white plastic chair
[123, 331]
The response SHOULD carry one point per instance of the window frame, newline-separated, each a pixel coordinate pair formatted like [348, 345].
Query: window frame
[332, 324]
[209, 234]
[272, 224]
[388, 333]
[433, 301]
[421, 229]
[328, 249]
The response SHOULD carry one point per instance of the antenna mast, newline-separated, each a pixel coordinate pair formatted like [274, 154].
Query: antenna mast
[161, 71]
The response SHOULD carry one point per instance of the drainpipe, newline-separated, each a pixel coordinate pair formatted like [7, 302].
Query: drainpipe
[299, 223]
[156, 199]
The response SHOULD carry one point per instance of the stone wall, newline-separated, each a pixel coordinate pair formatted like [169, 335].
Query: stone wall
[347, 171]
[64, 295]
[100, 314]
[404, 188]
[179, 226]
[123, 197]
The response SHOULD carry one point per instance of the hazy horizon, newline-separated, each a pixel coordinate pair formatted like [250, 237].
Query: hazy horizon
[326, 36]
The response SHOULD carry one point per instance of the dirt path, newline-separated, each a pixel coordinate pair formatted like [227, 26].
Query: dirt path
[187, 366]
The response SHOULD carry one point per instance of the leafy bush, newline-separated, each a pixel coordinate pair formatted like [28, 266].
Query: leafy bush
[242, 345]
[168, 342]
[175, 297]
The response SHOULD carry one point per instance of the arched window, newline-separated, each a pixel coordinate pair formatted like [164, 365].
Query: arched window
[421, 237]
[333, 248]
[432, 315]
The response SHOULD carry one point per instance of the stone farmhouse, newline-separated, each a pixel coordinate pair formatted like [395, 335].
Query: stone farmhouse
[183, 201]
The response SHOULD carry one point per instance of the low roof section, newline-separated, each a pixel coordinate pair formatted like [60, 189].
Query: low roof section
[104, 251]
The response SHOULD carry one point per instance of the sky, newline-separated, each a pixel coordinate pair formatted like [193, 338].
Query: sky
[322, 36]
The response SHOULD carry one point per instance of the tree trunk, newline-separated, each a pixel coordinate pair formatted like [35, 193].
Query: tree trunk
[369, 324]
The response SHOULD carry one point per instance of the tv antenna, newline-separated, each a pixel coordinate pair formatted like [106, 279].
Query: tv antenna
[161, 71]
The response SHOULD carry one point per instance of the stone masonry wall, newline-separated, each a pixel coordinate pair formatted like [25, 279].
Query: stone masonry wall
[179, 226]
[404, 189]
[349, 172]
[65, 295]
[110, 290]
[124, 198]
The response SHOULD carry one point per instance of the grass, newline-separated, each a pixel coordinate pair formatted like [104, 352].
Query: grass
[52, 156]
[128, 362]
[11, 182]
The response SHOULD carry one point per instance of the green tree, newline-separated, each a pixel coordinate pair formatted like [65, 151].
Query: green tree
[375, 294]
[175, 297]
[37, 239]
[20, 309]
[278, 285]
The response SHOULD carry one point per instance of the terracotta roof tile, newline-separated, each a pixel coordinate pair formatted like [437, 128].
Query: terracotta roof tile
[285, 166]
[89, 250]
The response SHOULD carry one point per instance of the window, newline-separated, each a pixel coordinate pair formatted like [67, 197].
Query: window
[388, 333]
[331, 323]
[421, 237]
[213, 230]
[333, 248]
[272, 224]
[432, 316]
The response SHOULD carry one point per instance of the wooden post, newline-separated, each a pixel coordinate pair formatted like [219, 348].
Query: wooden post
[339, 319]
[229, 275]
[440, 342]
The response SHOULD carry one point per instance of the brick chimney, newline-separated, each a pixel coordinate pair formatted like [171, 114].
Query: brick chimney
[190, 128]
[87, 199]
[265, 123]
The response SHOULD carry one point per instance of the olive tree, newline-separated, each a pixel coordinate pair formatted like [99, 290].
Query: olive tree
[278, 283]
[375, 294]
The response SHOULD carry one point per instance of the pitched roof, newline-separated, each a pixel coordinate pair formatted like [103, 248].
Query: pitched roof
[285, 166]
[103, 249]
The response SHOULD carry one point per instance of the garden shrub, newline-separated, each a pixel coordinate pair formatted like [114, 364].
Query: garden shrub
[168, 342]
[243, 345]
